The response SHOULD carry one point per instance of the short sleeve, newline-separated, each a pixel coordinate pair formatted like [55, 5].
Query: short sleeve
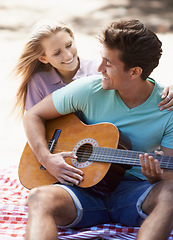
[167, 140]
[74, 96]
[33, 95]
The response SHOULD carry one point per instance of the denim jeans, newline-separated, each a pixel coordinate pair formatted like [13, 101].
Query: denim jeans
[123, 205]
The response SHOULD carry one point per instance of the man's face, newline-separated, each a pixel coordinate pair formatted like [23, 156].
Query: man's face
[112, 69]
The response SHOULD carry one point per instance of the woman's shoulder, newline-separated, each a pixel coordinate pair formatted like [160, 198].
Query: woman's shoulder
[45, 77]
[88, 67]
[91, 63]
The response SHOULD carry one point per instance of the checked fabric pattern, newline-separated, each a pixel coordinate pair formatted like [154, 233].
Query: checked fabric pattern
[13, 215]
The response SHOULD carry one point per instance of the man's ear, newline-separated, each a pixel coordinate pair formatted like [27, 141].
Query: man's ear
[42, 59]
[135, 72]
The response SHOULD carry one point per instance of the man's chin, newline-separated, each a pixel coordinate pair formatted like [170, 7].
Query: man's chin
[105, 86]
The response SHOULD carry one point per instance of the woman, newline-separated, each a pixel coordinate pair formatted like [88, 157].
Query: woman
[50, 61]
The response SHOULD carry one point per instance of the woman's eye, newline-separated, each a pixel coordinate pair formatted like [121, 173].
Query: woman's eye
[69, 45]
[57, 53]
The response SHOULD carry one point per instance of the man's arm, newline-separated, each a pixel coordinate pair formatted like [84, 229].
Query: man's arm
[34, 124]
[151, 168]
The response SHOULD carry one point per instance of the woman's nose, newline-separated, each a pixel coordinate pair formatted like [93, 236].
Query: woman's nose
[67, 55]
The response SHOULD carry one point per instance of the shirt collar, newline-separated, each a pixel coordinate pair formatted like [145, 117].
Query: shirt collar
[55, 78]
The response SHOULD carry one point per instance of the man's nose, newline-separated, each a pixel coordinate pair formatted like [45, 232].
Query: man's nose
[101, 67]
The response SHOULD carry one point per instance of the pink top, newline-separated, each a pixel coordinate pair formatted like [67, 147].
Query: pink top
[44, 83]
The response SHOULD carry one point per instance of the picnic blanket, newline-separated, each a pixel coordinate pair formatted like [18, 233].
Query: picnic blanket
[14, 214]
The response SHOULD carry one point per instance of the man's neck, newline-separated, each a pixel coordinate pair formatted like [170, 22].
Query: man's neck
[137, 94]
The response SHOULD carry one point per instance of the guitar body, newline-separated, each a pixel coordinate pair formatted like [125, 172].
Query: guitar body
[73, 135]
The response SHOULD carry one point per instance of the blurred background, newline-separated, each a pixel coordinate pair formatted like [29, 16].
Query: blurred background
[87, 18]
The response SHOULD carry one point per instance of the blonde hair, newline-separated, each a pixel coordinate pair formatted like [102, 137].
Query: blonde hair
[28, 63]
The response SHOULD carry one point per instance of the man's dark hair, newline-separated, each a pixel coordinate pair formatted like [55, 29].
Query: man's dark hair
[138, 46]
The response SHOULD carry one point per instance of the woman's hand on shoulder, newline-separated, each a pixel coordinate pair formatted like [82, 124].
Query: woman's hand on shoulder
[167, 96]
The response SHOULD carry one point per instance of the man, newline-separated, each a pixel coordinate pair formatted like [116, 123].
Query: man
[125, 97]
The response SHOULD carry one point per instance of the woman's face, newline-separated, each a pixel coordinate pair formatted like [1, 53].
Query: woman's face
[60, 52]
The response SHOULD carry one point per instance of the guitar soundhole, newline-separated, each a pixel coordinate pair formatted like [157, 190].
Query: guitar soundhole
[84, 152]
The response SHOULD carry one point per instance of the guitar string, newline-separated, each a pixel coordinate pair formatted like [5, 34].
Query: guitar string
[95, 147]
[107, 158]
[122, 151]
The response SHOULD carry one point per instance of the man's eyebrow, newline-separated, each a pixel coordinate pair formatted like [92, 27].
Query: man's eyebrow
[107, 60]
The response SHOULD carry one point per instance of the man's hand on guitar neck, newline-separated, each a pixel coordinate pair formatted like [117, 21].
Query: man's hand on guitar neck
[150, 168]
[63, 172]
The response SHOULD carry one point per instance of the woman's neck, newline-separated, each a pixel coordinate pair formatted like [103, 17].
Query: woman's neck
[67, 76]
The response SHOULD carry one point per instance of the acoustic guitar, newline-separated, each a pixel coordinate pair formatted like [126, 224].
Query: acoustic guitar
[99, 147]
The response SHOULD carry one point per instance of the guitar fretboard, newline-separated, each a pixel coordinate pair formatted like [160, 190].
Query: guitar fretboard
[119, 156]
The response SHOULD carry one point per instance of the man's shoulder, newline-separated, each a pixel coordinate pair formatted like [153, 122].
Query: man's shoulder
[157, 91]
[92, 79]
[159, 85]
[84, 86]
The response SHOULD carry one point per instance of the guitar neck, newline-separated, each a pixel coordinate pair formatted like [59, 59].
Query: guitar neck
[128, 157]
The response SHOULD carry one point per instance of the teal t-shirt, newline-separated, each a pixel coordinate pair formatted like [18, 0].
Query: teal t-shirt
[146, 126]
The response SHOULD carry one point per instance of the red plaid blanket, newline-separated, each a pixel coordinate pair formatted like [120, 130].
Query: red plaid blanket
[13, 215]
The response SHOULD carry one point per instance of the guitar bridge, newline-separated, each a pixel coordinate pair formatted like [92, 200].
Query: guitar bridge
[52, 143]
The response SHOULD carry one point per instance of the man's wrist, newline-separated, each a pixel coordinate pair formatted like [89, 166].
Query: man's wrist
[43, 154]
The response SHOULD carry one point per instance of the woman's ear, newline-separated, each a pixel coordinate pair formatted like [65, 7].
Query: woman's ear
[42, 59]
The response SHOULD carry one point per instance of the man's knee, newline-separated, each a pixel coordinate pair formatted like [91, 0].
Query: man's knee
[161, 194]
[52, 201]
[166, 192]
[47, 197]
[37, 199]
